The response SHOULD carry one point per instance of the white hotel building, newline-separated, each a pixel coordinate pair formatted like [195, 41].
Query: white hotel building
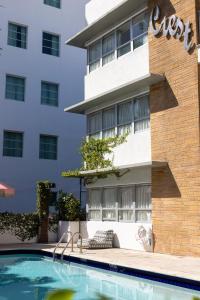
[37, 141]
[116, 100]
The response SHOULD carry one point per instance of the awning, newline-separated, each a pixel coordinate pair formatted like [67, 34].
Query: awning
[141, 82]
[107, 21]
[6, 191]
[118, 171]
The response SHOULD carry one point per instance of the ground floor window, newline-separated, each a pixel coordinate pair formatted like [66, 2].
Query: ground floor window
[121, 203]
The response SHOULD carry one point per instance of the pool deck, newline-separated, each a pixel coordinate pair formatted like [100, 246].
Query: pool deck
[178, 266]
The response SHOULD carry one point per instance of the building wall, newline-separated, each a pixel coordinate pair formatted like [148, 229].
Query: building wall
[175, 138]
[30, 116]
[95, 9]
[119, 72]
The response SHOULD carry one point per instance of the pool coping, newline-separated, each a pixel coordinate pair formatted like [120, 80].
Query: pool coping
[133, 272]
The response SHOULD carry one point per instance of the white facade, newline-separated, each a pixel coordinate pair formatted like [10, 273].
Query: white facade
[31, 117]
[95, 9]
[121, 203]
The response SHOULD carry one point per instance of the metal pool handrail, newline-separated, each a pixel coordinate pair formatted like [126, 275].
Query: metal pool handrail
[72, 240]
[60, 241]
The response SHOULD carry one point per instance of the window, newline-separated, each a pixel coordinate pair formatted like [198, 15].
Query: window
[140, 30]
[123, 39]
[124, 117]
[109, 204]
[121, 203]
[13, 144]
[94, 56]
[54, 3]
[120, 118]
[94, 204]
[48, 147]
[108, 48]
[108, 122]
[126, 201]
[94, 125]
[49, 93]
[17, 35]
[50, 44]
[141, 113]
[143, 204]
[15, 88]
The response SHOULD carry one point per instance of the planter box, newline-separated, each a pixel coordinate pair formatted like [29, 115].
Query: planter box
[8, 238]
[65, 226]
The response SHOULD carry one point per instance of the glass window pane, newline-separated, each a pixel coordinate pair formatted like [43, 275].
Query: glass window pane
[143, 216]
[48, 147]
[13, 144]
[50, 44]
[49, 93]
[126, 197]
[109, 215]
[140, 25]
[123, 50]
[108, 58]
[17, 35]
[94, 215]
[109, 198]
[55, 3]
[15, 88]
[95, 199]
[123, 34]
[108, 44]
[95, 52]
[143, 197]
[108, 118]
[124, 113]
[94, 123]
[126, 215]
[141, 113]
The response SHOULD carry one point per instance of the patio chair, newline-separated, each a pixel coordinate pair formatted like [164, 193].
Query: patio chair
[101, 240]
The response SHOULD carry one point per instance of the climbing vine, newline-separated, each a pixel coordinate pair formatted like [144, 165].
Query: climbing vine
[95, 154]
[23, 226]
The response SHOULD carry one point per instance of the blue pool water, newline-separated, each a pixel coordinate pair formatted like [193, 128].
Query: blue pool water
[30, 277]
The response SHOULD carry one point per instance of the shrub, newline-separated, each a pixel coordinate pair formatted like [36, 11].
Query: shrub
[68, 207]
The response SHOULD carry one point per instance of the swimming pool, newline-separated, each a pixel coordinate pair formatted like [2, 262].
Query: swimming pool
[31, 276]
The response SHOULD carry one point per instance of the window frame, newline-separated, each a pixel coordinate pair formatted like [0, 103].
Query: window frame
[22, 149]
[60, 6]
[117, 48]
[117, 126]
[26, 35]
[59, 43]
[24, 88]
[117, 208]
[48, 135]
[58, 93]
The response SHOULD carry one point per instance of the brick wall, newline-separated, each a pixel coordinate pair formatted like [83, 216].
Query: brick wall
[175, 138]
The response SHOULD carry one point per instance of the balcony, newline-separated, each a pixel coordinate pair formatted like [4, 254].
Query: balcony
[122, 71]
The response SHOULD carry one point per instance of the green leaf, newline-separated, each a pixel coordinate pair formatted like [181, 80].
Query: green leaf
[61, 295]
[195, 298]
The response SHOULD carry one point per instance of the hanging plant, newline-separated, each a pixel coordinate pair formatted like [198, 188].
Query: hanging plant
[95, 155]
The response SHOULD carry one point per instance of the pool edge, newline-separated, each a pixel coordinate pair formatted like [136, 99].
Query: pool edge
[187, 283]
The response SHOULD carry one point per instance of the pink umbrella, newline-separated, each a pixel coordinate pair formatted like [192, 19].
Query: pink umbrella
[6, 191]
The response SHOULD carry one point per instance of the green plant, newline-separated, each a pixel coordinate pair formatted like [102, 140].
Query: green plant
[95, 154]
[68, 207]
[23, 226]
[53, 223]
[43, 197]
